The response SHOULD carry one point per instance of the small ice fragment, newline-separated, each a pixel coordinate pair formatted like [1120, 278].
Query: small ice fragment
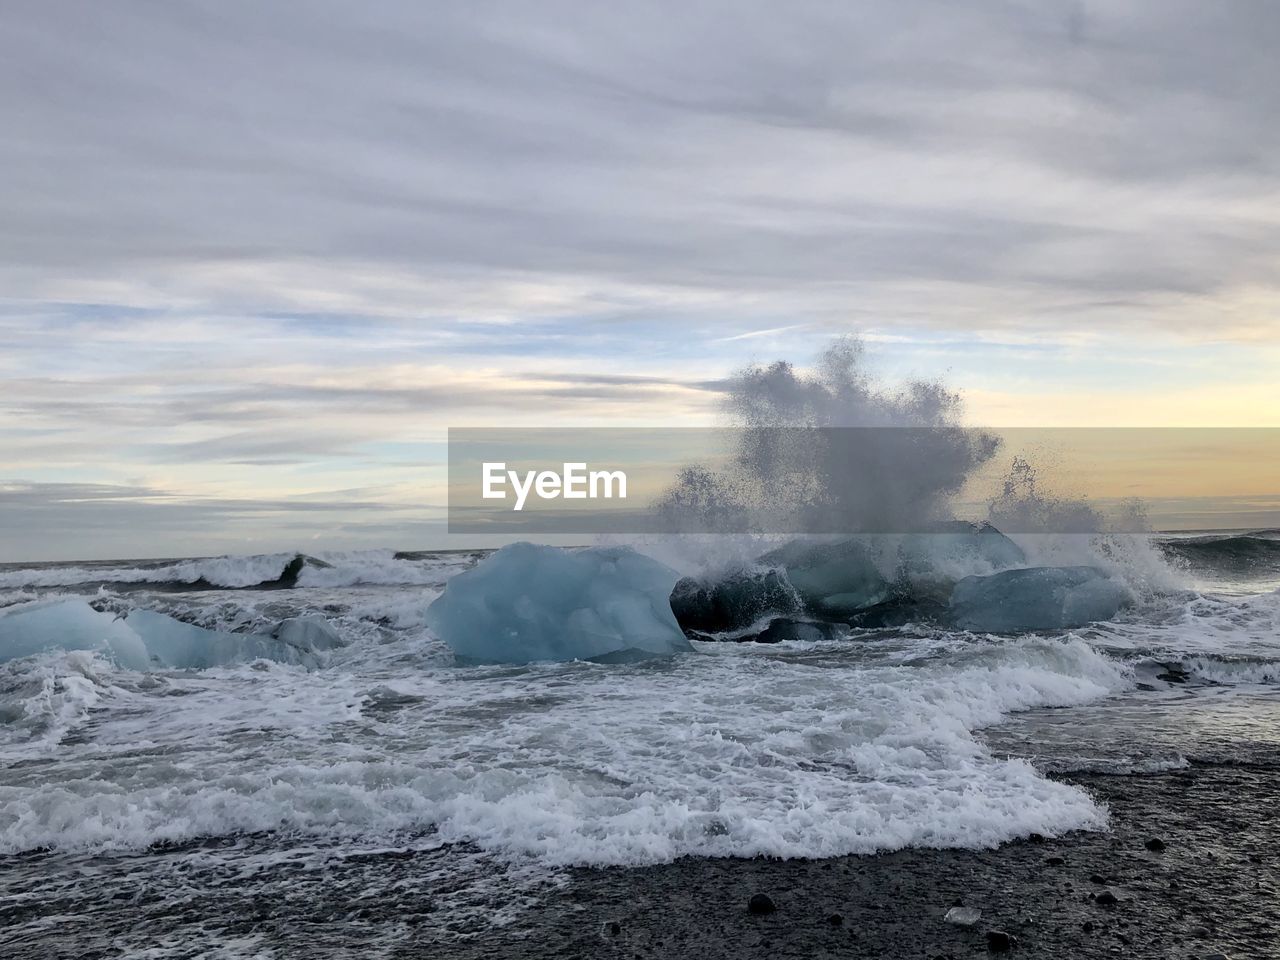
[963, 916]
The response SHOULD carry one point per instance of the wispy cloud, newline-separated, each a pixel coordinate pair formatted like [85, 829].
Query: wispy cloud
[250, 250]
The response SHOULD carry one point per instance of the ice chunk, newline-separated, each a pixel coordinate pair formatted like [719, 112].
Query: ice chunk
[737, 601]
[529, 602]
[310, 634]
[963, 916]
[146, 639]
[835, 580]
[184, 646]
[959, 543]
[1036, 598]
[844, 582]
[785, 630]
[930, 565]
[68, 625]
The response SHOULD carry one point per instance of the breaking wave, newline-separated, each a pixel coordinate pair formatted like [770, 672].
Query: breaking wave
[275, 571]
[1229, 553]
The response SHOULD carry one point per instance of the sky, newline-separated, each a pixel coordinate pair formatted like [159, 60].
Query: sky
[255, 259]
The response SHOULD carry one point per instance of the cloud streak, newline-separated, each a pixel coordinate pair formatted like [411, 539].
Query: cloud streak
[211, 150]
[254, 250]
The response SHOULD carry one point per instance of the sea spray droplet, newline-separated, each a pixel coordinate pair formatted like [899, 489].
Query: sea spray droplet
[839, 472]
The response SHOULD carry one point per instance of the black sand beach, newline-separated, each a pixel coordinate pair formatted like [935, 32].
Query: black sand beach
[1213, 890]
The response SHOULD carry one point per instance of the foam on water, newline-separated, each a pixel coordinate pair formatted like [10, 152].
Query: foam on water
[1187, 623]
[381, 568]
[333, 569]
[798, 754]
[46, 698]
[881, 739]
[220, 571]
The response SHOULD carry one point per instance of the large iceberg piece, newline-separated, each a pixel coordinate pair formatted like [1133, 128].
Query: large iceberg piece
[1036, 598]
[184, 646]
[33, 628]
[740, 600]
[147, 640]
[833, 580]
[845, 581]
[527, 603]
[929, 565]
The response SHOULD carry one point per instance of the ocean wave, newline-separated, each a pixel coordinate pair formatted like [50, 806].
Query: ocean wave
[807, 750]
[230, 572]
[46, 698]
[736, 755]
[1231, 554]
[260, 572]
[1231, 671]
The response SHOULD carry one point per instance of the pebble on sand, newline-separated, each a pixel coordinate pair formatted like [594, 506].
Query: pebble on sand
[1106, 899]
[1155, 844]
[760, 904]
[999, 941]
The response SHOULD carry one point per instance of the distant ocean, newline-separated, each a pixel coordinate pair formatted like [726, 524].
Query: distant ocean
[388, 781]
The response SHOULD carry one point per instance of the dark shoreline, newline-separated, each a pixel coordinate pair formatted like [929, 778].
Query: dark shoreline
[1214, 889]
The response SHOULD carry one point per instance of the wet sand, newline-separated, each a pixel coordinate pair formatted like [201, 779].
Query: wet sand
[1213, 889]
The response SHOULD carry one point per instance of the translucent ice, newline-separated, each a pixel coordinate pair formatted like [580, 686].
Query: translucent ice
[835, 580]
[68, 625]
[958, 545]
[184, 646]
[527, 603]
[146, 639]
[1036, 598]
[308, 634]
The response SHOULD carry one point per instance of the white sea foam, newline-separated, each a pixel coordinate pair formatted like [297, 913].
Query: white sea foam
[737, 754]
[798, 750]
[380, 567]
[232, 572]
[1181, 624]
[44, 698]
[335, 569]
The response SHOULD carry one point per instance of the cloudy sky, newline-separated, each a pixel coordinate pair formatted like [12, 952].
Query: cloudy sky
[256, 258]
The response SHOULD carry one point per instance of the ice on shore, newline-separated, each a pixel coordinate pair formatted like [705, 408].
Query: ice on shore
[834, 580]
[529, 603]
[310, 634]
[184, 646]
[148, 640]
[69, 625]
[737, 601]
[975, 548]
[1036, 598]
[866, 581]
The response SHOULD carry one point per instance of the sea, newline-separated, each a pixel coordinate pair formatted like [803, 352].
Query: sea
[392, 798]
